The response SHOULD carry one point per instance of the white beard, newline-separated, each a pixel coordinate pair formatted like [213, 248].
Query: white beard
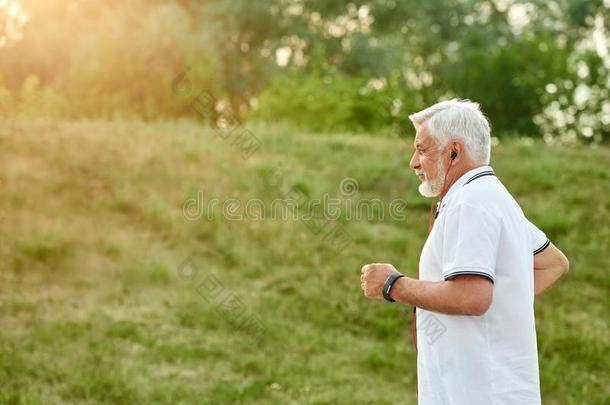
[432, 188]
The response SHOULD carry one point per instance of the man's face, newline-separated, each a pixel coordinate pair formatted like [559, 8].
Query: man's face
[427, 164]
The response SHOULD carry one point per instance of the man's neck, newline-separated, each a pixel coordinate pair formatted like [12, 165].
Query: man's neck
[458, 171]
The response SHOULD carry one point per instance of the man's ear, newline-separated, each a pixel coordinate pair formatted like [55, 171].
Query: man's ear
[456, 150]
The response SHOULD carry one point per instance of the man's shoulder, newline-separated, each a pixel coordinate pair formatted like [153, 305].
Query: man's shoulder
[486, 194]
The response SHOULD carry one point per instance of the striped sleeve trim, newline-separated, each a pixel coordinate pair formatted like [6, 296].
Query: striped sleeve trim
[541, 248]
[468, 272]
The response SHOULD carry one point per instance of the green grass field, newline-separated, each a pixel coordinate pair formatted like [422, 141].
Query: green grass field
[107, 291]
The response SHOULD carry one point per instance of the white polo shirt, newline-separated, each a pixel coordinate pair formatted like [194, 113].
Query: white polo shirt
[490, 359]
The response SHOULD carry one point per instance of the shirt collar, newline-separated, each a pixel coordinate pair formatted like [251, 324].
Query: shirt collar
[468, 177]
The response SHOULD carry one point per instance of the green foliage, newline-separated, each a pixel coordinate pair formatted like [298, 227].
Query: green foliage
[539, 68]
[115, 60]
[323, 103]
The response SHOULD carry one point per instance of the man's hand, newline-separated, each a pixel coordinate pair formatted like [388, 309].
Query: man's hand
[463, 295]
[373, 278]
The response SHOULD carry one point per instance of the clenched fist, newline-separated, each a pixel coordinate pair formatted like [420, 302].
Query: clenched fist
[373, 278]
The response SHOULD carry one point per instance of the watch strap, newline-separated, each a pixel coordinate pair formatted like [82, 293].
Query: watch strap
[387, 286]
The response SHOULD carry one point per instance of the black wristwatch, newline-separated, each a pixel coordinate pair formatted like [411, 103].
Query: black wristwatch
[387, 286]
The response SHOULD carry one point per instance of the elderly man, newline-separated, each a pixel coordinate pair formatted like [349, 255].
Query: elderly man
[479, 270]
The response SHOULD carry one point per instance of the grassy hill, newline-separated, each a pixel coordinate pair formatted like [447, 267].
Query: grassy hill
[116, 286]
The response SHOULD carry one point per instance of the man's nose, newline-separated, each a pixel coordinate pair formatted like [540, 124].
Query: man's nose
[414, 163]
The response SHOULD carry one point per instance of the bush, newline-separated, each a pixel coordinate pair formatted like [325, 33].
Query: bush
[325, 103]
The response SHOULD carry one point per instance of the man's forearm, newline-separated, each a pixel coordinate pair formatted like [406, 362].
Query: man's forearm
[549, 266]
[442, 296]
[544, 279]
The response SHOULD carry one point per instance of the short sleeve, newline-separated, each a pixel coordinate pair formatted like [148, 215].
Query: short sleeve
[471, 237]
[538, 239]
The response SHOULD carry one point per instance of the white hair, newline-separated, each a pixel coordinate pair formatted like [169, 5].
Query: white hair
[461, 119]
